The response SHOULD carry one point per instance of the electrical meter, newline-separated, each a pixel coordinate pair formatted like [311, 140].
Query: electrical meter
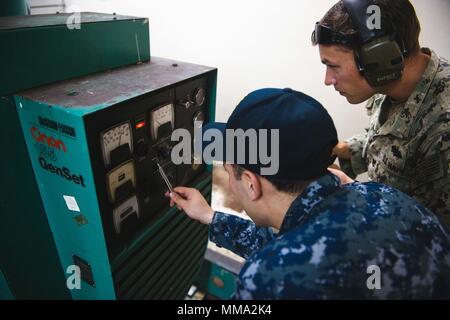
[159, 117]
[120, 177]
[129, 209]
[115, 137]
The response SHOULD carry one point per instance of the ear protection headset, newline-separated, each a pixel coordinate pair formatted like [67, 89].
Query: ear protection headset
[378, 56]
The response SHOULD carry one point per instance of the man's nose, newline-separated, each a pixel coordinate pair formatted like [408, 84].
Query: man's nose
[330, 78]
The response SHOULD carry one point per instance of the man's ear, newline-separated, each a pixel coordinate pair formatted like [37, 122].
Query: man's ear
[251, 184]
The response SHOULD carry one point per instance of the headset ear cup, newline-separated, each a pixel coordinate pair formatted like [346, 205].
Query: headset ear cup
[359, 65]
[379, 57]
[382, 61]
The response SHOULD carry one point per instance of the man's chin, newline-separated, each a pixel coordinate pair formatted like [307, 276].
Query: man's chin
[354, 100]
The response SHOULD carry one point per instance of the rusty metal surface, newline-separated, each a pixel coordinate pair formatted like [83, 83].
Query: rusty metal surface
[100, 90]
[44, 20]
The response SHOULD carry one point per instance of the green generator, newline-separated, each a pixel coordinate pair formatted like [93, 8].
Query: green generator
[83, 211]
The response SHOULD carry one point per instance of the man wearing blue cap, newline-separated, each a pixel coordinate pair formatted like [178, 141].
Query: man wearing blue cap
[333, 241]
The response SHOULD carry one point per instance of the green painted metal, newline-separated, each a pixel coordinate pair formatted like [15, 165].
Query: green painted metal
[27, 250]
[175, 252]
[41, 49]
[38, 233]
[215, 281]
[89, 94]
[13, 8]
[70, 103]
[172, 215]
[229, 282]
[38, 50]
[5, 291]
[87, 240]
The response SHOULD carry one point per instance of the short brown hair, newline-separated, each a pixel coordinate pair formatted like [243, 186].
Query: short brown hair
[399, 13]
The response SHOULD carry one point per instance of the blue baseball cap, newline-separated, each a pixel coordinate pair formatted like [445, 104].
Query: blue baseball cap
[306, 134]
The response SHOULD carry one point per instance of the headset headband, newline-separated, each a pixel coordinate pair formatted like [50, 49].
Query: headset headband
[357, 10]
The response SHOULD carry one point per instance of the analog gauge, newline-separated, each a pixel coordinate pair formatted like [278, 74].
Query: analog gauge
[120, 176]
[199, 96]
[161, 116]
[113, 138]
[128, 209]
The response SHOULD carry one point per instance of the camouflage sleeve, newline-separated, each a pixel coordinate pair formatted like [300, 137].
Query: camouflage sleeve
[357, 163]
[239, 235]
[431, 183]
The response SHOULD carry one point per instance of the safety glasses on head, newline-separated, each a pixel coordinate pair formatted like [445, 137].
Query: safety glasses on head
[326, 36]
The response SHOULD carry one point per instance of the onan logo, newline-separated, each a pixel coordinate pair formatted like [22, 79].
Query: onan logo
[49, 141]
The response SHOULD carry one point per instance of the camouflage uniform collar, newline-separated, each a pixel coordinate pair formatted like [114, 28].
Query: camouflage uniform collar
[402, 118]
[302, 206]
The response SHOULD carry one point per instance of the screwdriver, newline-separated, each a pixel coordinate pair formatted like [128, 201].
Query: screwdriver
[164, 176]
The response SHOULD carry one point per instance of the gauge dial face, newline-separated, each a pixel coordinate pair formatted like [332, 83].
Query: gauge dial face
[199, 96]
[118, 177]
[161, 116]
[114, 138]
[123, 211]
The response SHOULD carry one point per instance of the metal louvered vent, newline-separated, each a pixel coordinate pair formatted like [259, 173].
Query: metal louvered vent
[166, 262]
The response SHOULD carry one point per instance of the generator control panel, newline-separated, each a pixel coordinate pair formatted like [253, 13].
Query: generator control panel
[95, 143]
[126, 143]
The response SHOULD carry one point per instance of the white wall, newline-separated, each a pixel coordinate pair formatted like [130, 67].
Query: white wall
[258, 43]
[46, 6]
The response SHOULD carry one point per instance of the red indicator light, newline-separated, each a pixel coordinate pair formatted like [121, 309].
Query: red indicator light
[140, 124]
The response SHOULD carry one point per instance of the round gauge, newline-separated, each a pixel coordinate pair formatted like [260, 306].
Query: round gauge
[161, 116]
[115, 137]
[199, 96]
[198, 118]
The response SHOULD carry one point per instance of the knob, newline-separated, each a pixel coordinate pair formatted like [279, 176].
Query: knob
[187, 103]
[199, 96]
[164, 151]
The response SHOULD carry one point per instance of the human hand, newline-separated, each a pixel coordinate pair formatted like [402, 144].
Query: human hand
[345, 179]
[192, 202]
[342, 151]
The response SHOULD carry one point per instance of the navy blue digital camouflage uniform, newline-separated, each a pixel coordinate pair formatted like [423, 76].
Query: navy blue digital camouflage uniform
[330, 235]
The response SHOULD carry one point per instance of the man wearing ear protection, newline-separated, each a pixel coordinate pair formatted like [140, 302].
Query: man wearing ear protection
[330, 236]
[371, 52]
